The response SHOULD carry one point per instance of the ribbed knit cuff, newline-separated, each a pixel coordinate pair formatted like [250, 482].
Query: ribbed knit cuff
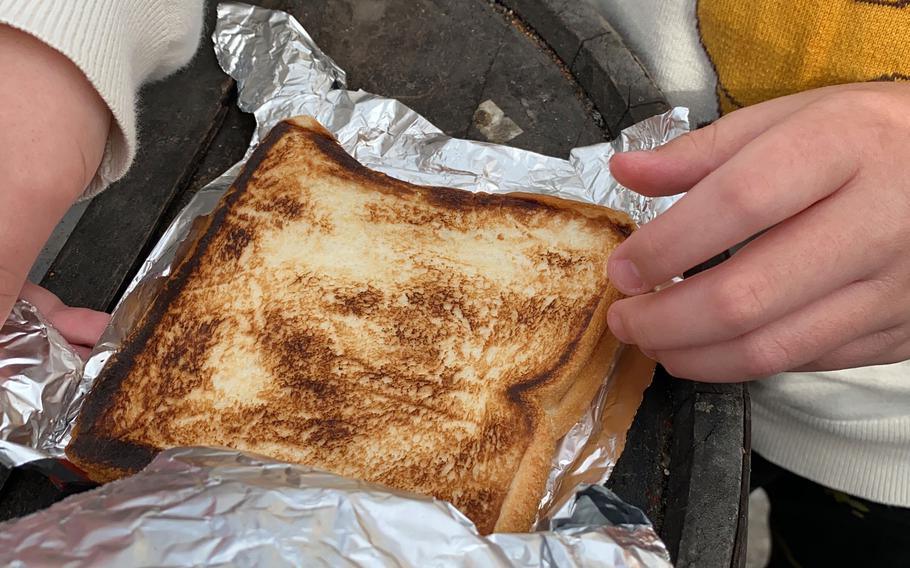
[117, 44]
[868, 458]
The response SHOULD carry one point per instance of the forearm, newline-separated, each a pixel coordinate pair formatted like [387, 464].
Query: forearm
[118, 45]
[55, 127]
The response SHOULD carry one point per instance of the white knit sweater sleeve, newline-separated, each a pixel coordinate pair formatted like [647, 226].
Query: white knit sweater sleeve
[118, 44]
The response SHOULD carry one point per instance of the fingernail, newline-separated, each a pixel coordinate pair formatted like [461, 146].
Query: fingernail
[616, 326]
[626, 277]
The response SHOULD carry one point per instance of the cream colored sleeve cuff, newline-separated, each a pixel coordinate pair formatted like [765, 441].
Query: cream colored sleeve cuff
[118, 44]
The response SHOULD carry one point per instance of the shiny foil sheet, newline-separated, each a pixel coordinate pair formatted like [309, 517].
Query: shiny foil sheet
[281, 73]
[39, 376]
[207, 507]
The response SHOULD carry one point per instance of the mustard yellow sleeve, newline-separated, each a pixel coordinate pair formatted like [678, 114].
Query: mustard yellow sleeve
[764, 49]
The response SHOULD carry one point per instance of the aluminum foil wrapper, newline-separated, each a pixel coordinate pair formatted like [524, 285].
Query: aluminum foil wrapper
[206, 507]
[39, 377]
[282, 73]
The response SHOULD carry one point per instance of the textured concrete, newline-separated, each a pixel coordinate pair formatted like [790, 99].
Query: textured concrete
[608, 72]
[56, 241]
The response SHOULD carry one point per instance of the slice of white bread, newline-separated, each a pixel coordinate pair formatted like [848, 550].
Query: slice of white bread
[430, 339]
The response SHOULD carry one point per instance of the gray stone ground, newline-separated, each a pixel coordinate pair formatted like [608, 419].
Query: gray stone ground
[55, 242]
[759, 543]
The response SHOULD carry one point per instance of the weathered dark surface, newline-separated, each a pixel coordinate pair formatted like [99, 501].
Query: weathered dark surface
[706, 492]
[683, 463]
[25, 492]
[642, 473]
[686, 464]
[608, 72]
[444, 58]
[178, 118]
[37, 485]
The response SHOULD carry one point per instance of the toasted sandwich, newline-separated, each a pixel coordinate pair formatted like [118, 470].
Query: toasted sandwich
[433, 340]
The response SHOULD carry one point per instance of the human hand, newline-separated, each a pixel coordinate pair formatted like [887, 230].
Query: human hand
[826, 287]
[81, 327]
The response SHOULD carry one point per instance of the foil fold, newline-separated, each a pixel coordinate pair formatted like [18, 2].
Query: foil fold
[211, 507]
[386, 135]
[39, 376]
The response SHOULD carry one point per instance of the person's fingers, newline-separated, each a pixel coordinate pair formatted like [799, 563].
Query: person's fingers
[83, 352]
[882, 347]
[788, 343]
[80, 326]
[681, 163]
[788, 267]
[43, 299]
[9, 292]
[774, 177]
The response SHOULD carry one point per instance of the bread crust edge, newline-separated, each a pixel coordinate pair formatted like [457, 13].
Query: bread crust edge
[559, 403]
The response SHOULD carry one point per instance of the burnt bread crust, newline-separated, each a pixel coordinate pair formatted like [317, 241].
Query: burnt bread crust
[104, 458]
[430, 339]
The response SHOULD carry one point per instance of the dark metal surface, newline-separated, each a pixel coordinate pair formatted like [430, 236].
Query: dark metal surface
[686, 459]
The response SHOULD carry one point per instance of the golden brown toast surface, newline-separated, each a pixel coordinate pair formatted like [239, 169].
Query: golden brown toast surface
[428, 339]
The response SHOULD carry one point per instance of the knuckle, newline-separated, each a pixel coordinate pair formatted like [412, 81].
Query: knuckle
[708, 138]
[885, 286]
[762, 357]
[650, 241]
[888, 291]
[747, 200]
[870, 100]
[887, 339]
[655, 258]
[739, 303]
[701, 141]
[10, 284]
[877, 106]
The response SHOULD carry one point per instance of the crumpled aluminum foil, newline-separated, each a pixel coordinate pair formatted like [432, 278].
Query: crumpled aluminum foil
[39, 375]
[207, 507]
[282, 73]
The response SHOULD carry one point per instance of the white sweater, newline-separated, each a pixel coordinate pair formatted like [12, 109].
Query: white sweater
[847, 430]
[118, 44]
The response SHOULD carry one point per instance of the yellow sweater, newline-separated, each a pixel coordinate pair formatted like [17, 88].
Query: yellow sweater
[848, 430]
[763, 49]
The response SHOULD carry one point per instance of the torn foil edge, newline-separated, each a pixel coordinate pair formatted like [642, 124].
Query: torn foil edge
[381, 133]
